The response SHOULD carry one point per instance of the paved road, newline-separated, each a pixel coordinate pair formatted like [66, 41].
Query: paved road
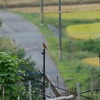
[30, 38]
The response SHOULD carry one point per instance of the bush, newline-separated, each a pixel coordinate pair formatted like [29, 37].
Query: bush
[89, 45]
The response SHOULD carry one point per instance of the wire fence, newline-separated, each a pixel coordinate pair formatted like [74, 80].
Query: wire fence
[77, 91]
[89, 90]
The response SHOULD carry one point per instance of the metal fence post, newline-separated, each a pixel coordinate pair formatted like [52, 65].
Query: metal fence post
[78, 91]
[30, 91]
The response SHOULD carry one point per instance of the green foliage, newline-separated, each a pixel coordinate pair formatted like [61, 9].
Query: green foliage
[24, 64]
[27, 65]
[89, 45]
[8, 76]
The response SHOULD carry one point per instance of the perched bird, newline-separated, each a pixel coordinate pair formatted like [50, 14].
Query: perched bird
[44, 46]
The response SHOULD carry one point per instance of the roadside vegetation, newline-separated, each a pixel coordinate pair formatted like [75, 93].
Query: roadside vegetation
[73, 68]
[16, 71]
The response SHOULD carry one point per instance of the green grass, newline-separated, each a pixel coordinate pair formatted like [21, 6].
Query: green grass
[78, 25]
[89, 15]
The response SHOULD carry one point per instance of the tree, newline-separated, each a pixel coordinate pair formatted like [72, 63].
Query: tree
[27, 65]
[8, 76]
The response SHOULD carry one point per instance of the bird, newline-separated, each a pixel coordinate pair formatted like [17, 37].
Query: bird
[44, 46]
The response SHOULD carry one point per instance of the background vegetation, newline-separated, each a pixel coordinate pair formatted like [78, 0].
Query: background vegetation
[14, 69]
[72, 68]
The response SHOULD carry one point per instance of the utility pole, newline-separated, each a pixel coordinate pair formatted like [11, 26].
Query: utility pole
[43, 98]
[78, 91]
[99, 59]
[57, 81]
[60, 36]
[42, 12]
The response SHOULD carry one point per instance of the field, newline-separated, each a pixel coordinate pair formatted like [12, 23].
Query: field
[75, 52]
[71, 8]
[84, 31]
[38, 1]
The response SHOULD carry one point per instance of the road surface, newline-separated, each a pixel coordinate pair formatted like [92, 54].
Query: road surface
[30, 38]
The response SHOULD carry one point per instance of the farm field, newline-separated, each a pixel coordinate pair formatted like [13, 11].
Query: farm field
[85, 24]
[86, 15]
[38, 1]
[68, 8]
[84, 31]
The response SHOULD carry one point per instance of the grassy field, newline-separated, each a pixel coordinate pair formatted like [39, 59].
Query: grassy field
[85, 25]
[73, 68]
[86, 15]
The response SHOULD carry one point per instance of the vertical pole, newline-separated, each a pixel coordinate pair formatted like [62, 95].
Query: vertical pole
[42, 12]
[57, 80]
[60, 41]
[78, 91]
[18, 98]
[91, 77]
[99, 59]
[30, 90]
[5, 5]
[43, 98]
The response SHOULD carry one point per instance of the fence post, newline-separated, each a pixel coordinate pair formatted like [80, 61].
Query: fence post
[30, 91]
[91, 77]
[18, 98]
[78, 91]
